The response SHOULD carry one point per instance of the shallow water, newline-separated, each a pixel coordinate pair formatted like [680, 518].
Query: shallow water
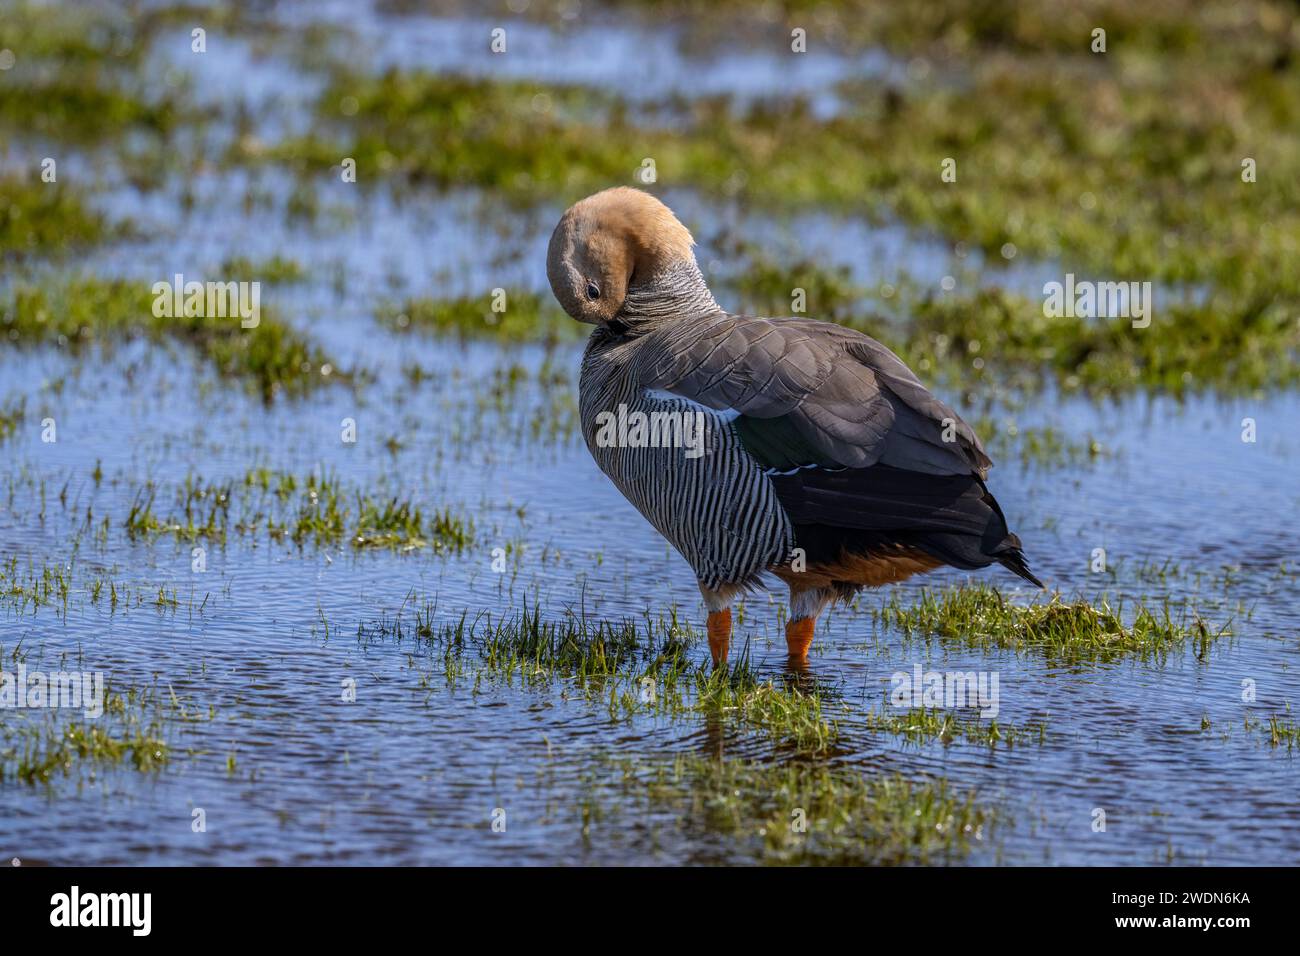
[288, 772]
[640, 63]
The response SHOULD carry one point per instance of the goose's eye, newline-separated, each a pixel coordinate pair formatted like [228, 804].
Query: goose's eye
[592, 291]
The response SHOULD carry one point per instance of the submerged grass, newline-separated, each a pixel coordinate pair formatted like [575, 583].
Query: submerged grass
[1045, 445]
[1283, 732]
[522, 316]
[275, 269]
[313, 509]
[979, 616]
[923, 725]
[1278, 729]
[645, 668]
[11, 416]
[77, 74]
[74, 312]
[29, 589]
[801, 813]
[39, 218]
[37, 745]
[629, 667]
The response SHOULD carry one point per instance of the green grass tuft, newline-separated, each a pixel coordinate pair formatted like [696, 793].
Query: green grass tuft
[630, 667]
[978, 616]
[797, 813]
[272, 359]
[38, 218]
[37, 745]
[527, 317]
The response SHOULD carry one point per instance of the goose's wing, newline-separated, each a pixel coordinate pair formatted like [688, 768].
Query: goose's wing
[812, 393]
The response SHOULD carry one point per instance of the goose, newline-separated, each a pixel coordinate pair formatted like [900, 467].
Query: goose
[823, 461]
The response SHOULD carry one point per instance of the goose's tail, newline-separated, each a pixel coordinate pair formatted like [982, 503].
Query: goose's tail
[952, 518]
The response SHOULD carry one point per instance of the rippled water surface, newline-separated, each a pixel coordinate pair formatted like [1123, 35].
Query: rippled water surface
[259, 644]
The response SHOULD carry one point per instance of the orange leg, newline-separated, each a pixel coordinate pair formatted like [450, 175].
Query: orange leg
[719, 627]
[798, 638]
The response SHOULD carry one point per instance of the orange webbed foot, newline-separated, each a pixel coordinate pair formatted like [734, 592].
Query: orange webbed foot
[719, 628]
[798, 638]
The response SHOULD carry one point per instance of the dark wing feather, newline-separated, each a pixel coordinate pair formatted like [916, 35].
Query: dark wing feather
[811, 392]
[856, 441]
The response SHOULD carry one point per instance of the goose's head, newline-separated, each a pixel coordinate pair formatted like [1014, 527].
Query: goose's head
[612, 243]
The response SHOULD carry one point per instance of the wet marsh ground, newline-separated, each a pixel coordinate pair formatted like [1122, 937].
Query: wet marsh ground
[359, 594]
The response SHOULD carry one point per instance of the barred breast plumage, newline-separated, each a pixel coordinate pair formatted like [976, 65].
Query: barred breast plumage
[719, 509]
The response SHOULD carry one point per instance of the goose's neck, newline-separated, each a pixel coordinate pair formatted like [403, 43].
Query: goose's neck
[676, 292]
